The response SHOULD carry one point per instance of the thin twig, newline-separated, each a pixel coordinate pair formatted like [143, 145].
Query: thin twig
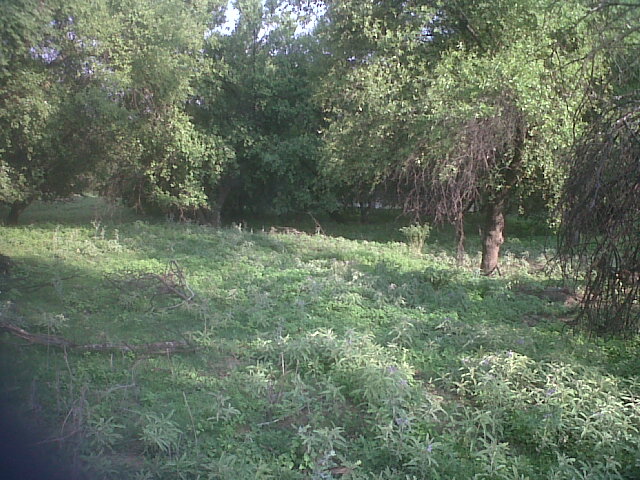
[193, 424]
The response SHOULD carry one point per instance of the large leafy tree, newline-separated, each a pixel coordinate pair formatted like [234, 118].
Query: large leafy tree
[367, 94]
[262, 105]
[461, 102]
[499, 116]
[46, 104]
[149, 57]
[105, 88]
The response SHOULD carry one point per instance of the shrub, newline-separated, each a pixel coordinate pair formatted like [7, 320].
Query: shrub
[416, 235]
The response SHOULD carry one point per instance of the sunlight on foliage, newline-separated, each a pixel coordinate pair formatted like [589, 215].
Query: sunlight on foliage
[310, 357]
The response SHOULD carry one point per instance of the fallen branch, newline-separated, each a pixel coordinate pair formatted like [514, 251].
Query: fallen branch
[285, 231]
[172, 282]
[176, 281]
[175, 346]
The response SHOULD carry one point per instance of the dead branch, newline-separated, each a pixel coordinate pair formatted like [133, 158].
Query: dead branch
[319, 229]
[285, 231]
[598, 241]
[172, 282]
[175, 281]
[155, 348]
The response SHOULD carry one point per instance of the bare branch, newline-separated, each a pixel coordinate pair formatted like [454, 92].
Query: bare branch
[155, 348]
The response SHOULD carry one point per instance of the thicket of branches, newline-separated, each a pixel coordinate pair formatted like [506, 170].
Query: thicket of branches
[599, 239]
[600, 233]
[446, 190]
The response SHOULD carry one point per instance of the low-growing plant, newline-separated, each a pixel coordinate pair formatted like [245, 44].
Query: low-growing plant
[222, 408]
[416, 235]
[160, 434]
[320, 447]
[104, 434]
[553, 408]
[309, 356]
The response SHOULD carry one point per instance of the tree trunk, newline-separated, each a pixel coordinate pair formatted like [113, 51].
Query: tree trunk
[459, 226]
[493, 236]
[16, 209]
[224, 189]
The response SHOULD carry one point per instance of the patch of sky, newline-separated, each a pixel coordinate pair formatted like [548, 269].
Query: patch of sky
[306, 18]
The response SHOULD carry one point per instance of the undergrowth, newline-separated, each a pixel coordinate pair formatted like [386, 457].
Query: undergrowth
[314, 356]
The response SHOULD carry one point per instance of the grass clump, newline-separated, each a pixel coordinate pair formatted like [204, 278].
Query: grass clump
[310, 356]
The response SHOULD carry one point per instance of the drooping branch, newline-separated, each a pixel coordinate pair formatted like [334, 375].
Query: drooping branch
[444, 181]
[601, 221]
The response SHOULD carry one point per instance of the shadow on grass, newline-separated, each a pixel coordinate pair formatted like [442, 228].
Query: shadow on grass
[381, 226]
[77, 210]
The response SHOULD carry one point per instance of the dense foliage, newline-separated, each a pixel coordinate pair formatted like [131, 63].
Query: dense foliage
[262, 104]
[102, 89]
[48, 106]
[462, 102]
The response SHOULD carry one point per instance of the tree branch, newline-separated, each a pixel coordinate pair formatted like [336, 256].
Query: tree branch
[155, 348]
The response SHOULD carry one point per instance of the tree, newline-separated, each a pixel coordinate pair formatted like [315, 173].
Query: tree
[262, 105]
[41, 119]
[598, 239]
[475, 108]
[103, 88]
[374, 66]
[148, 57]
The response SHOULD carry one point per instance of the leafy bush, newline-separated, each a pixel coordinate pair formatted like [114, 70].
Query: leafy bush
[416, 235]
[160, 433]
[551, 409]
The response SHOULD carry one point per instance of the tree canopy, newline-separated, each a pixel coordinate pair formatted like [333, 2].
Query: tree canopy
[465, 108]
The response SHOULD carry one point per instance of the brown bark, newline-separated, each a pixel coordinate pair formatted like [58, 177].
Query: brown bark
[459, 225]
[493, 236]
[498, 200]
[16, 210]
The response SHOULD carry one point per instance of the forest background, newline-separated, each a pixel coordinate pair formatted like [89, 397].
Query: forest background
[472, 114]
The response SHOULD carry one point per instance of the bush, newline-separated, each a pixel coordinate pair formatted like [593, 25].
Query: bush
[416, 235]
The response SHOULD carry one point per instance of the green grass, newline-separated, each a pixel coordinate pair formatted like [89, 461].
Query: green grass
[346, 355]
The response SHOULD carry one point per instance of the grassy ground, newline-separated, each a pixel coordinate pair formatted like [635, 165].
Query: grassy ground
[346, 355]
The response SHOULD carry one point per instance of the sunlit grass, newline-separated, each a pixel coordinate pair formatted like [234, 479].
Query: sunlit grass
[315, 356]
